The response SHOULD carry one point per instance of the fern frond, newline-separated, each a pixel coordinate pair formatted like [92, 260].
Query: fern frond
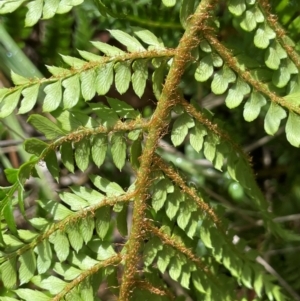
[39, 9]
[155, 235]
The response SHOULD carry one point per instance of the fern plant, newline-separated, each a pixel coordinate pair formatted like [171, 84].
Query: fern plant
[180, 245]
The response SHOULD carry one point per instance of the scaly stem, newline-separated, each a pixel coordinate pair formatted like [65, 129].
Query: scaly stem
[169, 97]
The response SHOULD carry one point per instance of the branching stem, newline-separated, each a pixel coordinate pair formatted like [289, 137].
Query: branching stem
[169, 97]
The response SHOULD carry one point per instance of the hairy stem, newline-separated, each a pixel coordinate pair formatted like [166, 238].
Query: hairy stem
[168, 99]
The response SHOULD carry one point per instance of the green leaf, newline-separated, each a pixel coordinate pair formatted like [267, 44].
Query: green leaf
[272, 120]
[72, 91]
[75, 202]
[279, 50]
[246, 276]
[103, 249]
[89, 56]
[45, 126]
[50, 8]
[123, 109]
[259, 16]
[12, 242]
[105, 78]
[9, 103]
[122, 76]
[53, 284]
[163, 259]
[7, 213]
[61, 245]
[73, 295]
[86, 290]
[8, 298]
[263, 36]
[72, 121]
[158, 79]
[134, 135]
[197, 136]
[58, 211]
[107, 49]
[82, 153]
[44, 256]
[185, 276]
[34, 13]
[249, 21]
[107, 115]
[39, 223]
[293, 98]
[180, 128]
[27, 266]
[114, 189]
[29, 295]
[292, 129]
[199, 282]
[205, 69]
[192, 225]
[273, 55]
[135, 153]
[90, 195]
[183, 216]
[27, 235]
[99, 148]
[234, 98]
[150, 250]
[217, 60]
[67, 158]
[221, 154]
[122, 221]
[75, 237]
[100, 182]
[205, 46]
[30, 97]
[18, 79]
[88, 84]
[139, 76]
[169, 3]
[237, 7]
[159, 194]
[73, 61]
[102, 222]
[281, 77]
[3, 93]
[175, 268]
[186, 9]
[291, 66]
[148, 37]
[52, 164]
[272, 59]
[9, 272]
[132, 44]
[173, 203]
[236, 94]
[118, 149]
[8, 7]
[53, 96]
[87, 226]
[210, 145]
[221, 80]
[58, 71]
[253, 106]
[205, 236]
[11, 175]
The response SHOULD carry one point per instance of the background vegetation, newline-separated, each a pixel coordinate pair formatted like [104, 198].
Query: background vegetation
[208, 232]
